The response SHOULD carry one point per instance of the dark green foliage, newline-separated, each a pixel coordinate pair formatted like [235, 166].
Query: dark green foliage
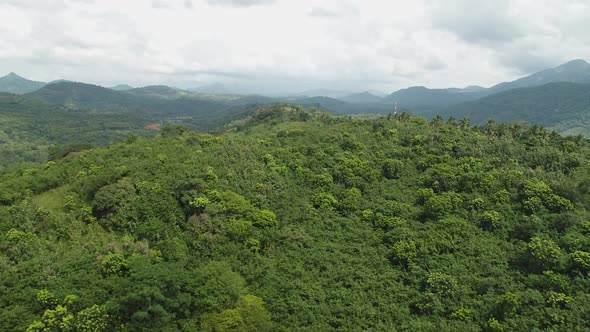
[297, 220]
[32, 131]
[392, 168]
[561, 105]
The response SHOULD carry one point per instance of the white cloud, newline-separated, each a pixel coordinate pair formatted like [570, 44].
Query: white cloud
[290, 45]
[240, 3]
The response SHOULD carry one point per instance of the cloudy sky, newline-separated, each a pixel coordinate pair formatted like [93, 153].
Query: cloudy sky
[278, 46]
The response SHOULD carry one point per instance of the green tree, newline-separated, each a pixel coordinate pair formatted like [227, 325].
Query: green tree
[544, 253]
[392, 168]
[265, 219]
[114, 264]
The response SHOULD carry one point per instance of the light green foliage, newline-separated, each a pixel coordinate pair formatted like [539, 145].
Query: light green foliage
[581, 260]
[14, 235]
[389, 223]
[200, 203]
[404, 252]
[70, 203]
[248, 316]
[544, 252]
[114, 264]
[440, 283]
[538, 194]
[214, 196]
[558, 300]
[225, 321]
[323, 201]
[502, 196]
[462, 314]
[162, 158]
[477, 203]
[256, 317]
[64, 318]
[323, 180]
[268, 159]
[264, 219]
[491, 220]
[494, 325]
[210, 175]
[86, 214]
[46, 298]
[253, 245]
[238, 229]
[368, 215]
[70, 300]
[93, 319]
[236, 205]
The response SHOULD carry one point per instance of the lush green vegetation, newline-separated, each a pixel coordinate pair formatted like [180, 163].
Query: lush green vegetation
[565, 106]
[297, 220]
[29, 129]
[51, 122]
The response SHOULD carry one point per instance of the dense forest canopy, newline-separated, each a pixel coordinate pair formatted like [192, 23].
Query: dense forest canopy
[563, 106]
[30, 129]
[297, 220]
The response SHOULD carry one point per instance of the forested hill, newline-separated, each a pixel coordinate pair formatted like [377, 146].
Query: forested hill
[13, 83]
[158, 102]
[297, 220]
[202, 111]
[31, 131]
[427, 101]
[563, 105]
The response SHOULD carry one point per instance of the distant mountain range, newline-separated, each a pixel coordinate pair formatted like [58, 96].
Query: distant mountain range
[553, 97]
[362, 98]
[431, 101]
[121, 87]
[546, 104]
[577, 71]
[161, 91]
[215, 88]
[161, 100]
[13, 83]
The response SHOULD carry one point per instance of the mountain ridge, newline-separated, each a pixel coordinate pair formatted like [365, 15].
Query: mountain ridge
[549, 105]
[427, 101]
[14, 83]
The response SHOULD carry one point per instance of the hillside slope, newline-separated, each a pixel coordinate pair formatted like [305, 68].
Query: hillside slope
[575, 71]
[199, 111]
[29, 129]
[429, 102]
[362, 98]
[297, 220]
[549, 105]
[13, 83]
[158, 103]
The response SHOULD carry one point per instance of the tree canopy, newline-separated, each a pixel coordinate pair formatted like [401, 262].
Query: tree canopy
[297, 220]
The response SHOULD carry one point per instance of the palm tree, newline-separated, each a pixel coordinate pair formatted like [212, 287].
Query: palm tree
[464, 123]
[490, 127]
